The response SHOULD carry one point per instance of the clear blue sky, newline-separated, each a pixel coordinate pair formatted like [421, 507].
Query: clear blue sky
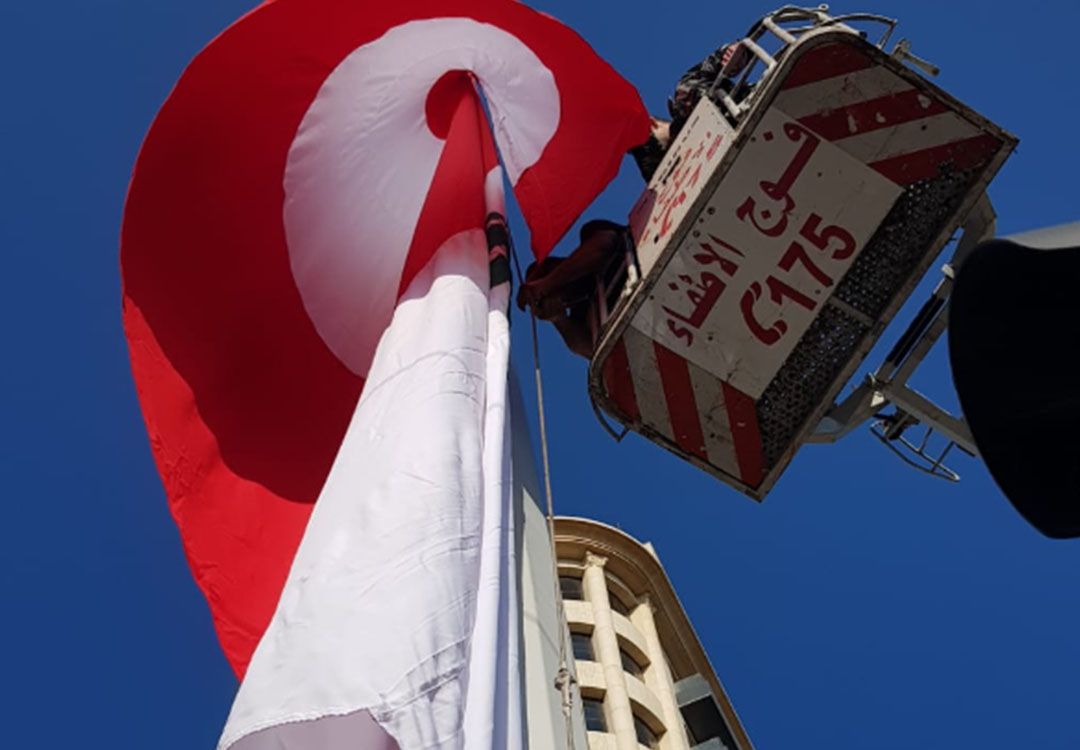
[862, 606]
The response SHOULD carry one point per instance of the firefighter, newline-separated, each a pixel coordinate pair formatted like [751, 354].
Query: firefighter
[561, 290]
[710, 77]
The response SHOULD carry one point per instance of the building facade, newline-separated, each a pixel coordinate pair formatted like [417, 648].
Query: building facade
[643, 678]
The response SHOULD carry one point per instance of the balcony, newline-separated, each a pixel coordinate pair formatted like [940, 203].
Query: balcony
[702, 715]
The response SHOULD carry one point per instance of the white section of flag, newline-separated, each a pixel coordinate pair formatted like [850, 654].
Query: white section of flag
[493, 703]
[401, 600]
[359, 168]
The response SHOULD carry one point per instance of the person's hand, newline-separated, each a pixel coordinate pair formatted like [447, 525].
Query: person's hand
[526, 296]
[549, 308]
[544, 307]
[661, 131]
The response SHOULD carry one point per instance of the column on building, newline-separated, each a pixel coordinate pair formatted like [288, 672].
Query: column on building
[620, 713]
[658, 676]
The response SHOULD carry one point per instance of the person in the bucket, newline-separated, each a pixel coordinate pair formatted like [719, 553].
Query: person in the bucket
[713, 76]
[561, 290]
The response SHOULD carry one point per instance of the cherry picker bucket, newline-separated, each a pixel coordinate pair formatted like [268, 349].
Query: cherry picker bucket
[775, 242]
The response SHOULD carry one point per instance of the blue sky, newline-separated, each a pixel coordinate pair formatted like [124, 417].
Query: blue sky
[861, 606]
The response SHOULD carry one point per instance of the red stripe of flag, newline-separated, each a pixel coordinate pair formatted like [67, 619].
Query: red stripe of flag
[874, 114]
[922, 165]
[619, 383]
[742, 416]
[682, 408]
[826, 61]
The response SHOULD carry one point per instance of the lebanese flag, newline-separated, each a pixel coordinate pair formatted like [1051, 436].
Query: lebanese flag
[304, 226]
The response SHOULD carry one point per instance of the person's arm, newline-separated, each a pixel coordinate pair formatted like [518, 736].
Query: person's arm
[575, 334]
[589, 259]
[571, 280]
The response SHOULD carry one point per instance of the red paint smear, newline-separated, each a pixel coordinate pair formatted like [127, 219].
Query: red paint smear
[682, 408]
[619, 383]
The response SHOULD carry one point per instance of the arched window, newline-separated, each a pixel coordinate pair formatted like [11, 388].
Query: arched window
[594, 715]
[645, 735]
[630, 665]
[571, 588]
[618, 605]
[583, 648]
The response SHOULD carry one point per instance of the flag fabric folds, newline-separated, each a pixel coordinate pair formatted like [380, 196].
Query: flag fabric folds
[309, 316]
[392, 606]
[296, 150]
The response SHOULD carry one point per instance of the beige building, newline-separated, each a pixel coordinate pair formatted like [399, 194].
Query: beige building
[643, 678]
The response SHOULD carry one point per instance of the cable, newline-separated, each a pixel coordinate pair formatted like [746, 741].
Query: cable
[564, 679]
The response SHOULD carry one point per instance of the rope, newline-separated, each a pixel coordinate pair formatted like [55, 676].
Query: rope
[564, 680]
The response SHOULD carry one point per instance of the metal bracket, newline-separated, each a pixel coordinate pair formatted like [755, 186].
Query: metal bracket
[788, 24]
[888, 385]
[902, 51]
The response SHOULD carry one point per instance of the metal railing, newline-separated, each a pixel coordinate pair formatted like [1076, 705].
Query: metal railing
[784, 27]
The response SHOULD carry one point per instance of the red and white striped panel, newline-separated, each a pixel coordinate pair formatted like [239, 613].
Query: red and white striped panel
[879, 117]
[701, 415]
[885, 121]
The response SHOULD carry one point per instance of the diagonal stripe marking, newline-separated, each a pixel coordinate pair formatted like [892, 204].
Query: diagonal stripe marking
[826, 61]
[742, 415]
[908, 138]
[619, 383]
[875, 114]
[926, 164]
[645, 373]
[716, 429]
[851, 88]
[679, 392]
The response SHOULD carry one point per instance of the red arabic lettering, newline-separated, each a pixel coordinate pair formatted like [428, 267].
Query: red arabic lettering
[695, 176]
[665, 223]
[709, 256]
[749, 210]
[769, 213]
[782, 186]
[667, 192]
[705, 293]
[678, 180]
[777, 201]
[703, 297]
[714, 146]
[680, 332]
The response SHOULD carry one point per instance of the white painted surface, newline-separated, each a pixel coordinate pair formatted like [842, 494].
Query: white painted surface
[679, 181]
[359, 169]
[782, 178]
[394, 603]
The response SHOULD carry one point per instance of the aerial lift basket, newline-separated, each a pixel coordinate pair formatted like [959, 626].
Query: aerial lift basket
[777, 239]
